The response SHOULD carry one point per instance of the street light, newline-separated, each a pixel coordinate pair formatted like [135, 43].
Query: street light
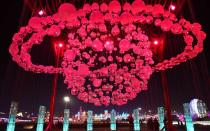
[66, 100]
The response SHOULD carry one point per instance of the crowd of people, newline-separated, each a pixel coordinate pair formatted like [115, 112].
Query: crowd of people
[152, 124]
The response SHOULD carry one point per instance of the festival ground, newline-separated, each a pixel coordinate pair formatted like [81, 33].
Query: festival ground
[32, 127]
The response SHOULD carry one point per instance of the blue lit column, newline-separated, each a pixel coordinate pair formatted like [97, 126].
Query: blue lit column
[12, 116]
[113, 120]
[41, 117]
[90, 121]
[136, 120]
[66, 120]
[188, 118]
[161, 116]
[106, 114]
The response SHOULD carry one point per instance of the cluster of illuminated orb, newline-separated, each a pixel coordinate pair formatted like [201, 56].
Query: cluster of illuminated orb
[108, 59]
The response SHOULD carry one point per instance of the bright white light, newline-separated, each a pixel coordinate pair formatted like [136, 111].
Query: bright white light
[60, 45]
[156, 42]
[172, 7]
[66, 98]
[41, 12]
[204, 123]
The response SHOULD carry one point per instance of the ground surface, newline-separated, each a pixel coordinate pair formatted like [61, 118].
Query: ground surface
[32, 127]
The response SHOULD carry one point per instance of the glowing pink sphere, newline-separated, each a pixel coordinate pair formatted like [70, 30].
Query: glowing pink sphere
[109, 45]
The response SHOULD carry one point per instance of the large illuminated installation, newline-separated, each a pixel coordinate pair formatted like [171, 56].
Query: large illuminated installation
[161, 117]
[41, 118]
[90, 121]
[12, 116]
[198, 109]
[136, 120]
[113, 126]
[66, 120]
[188, 118]
[107, 56]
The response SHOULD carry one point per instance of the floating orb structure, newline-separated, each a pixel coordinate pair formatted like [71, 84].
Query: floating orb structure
[107, 56]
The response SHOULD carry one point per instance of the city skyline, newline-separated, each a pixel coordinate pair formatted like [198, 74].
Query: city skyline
[186, 82]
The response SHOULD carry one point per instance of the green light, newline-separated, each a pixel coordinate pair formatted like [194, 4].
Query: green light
[12, 116]
[188, 119]
[41, 116]
[90, 121]
[113, 120]
[161, 117]
[66, 120]
[136, 120]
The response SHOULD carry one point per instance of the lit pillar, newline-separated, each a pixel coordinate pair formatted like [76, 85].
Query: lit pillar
[90, 121]
[136, 120]
[188, 118]
[106, 114]
[66, 120]
[12, 116]
[113, 120]
[41, 116]
[161, 117]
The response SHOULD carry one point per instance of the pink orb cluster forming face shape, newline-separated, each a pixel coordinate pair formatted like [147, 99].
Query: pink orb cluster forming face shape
[108, 59]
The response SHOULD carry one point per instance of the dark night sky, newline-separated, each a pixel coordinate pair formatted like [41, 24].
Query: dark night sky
[186, 81]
